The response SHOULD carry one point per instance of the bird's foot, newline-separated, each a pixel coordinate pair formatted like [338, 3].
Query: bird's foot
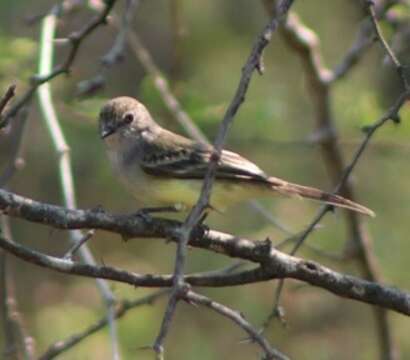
[200, 229]
[98, 209]
[145, 213]
[213, 208]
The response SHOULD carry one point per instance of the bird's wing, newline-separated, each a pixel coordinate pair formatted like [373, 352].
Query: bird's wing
[184, 158]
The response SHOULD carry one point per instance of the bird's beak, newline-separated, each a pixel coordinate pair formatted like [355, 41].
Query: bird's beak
[107, 132]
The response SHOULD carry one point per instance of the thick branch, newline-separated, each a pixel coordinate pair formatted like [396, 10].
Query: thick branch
[274, 264]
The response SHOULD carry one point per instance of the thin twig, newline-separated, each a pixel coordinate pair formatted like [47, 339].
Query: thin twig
[390, 115]
[161, 84]
[16, 160]
[253, 62]
[10, 347]
[176, 110]
[307, 47]
[238, 318]
[18, 343]
[121, 309]
[364, 40]
[63, 151]
[296, 35]
[87, 236]
[115, 54]
[399, 67]
[76, 39]
[9, 94]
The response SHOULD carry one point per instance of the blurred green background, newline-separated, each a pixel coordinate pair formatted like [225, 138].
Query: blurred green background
[273, 128]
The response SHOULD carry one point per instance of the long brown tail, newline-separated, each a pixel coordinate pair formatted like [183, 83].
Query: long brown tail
[290, 189]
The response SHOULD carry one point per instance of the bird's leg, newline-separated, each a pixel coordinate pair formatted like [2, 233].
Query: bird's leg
[212, 208]
[200, 229]
[98, 209]
[145, 213]
[159, 209]
[202, 218]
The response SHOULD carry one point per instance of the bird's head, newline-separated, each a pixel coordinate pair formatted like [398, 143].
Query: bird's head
[124, 116]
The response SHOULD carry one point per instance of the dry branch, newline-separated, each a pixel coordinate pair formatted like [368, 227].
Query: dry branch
[239, 319]
[305, 44]
[76, 39]
[185, 232]
[273, 264]
[121, 309]
[50, 118]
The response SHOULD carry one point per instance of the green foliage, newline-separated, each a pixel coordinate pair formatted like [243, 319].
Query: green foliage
[16, 60]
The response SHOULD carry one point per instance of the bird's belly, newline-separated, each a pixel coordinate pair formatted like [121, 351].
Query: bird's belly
[156, 191]
[152, 190]
[159, 191]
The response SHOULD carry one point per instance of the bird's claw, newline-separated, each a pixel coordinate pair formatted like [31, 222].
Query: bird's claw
[145, 213]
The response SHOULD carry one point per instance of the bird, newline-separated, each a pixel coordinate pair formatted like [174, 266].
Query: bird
[162, 168]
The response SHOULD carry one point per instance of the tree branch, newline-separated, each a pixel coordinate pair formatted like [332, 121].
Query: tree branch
[16, 135]
[364, 40]
[62, 149]
[273, 263]
[239, 319]
[18, 344]
[121, 309]
[76, 39]
[176, 110]
[9, 94]
[305, 44]
[253, 63]
[115, 54]
[399, 67]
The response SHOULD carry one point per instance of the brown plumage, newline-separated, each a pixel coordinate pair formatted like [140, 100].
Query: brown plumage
[161, 167]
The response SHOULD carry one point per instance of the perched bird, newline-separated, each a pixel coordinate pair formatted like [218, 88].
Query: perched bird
[162, 168]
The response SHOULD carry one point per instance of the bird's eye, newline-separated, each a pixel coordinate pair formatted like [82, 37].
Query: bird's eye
[128, 118]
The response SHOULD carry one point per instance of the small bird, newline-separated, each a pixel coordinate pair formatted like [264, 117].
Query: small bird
[162, 168]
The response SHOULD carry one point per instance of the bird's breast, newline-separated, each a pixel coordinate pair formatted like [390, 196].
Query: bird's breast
[160, 190]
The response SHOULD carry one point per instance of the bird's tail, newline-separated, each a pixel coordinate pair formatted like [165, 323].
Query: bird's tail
[290, 189]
